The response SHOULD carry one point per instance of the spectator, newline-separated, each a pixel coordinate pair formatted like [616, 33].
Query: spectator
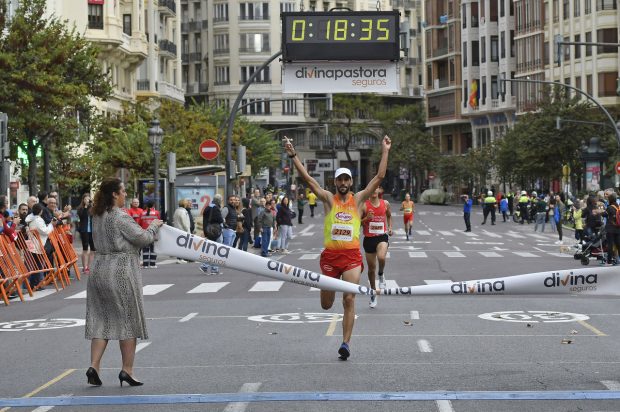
[180, 220]
[32, 200]
[37, 224]
[85, 229]
[150, 214]
[301, 203]
[46, 214]
[211, 218]
[247, 225]
[284, 219]
[229, 214]
[188, 207]
[135, 211]
[267, 222]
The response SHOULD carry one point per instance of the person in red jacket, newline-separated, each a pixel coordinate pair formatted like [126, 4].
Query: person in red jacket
[149, 257]
[135, 211]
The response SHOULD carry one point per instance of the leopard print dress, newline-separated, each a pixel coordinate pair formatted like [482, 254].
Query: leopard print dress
[114, 303]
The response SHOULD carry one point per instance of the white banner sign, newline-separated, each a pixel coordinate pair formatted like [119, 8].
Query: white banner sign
[340, 77]
[582, 281]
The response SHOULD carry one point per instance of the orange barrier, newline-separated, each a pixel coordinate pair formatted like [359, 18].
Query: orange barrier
[63, 246]
[12, 277]
[35, 260]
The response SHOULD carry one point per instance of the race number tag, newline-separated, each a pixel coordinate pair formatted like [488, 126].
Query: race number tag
[342, 232]
[376, 228]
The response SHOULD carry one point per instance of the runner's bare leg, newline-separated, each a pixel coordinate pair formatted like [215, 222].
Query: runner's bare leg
[348, 302]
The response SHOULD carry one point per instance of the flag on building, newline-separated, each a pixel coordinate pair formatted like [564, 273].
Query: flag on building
[473, 96]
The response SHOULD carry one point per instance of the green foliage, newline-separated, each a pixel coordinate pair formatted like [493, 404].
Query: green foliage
[48, 73]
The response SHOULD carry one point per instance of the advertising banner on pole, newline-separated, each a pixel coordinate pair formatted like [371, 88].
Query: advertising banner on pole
[340, 77]
[583, 281]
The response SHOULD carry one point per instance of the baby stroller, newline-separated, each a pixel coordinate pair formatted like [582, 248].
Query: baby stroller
[593, 246]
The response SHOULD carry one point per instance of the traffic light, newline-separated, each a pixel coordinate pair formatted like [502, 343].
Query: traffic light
[557, 48]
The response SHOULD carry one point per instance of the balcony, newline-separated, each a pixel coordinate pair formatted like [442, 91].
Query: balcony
[168, 7]
[264, 49]
[254, 18]
[195, 57]
[184, 28]
[170, 91]
[412, 91]
[143, 85]
[203, 87]
[218, 52]
[167, 46]
[195, 26]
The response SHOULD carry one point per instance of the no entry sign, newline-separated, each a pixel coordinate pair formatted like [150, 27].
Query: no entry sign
[209, 149]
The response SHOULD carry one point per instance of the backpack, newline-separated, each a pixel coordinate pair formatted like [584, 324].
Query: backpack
[616, 221]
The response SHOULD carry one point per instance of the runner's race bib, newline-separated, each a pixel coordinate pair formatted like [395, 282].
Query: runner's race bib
[342, 232]
[376, 228]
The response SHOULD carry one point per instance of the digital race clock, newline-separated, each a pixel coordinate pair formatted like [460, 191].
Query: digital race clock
[361, 35]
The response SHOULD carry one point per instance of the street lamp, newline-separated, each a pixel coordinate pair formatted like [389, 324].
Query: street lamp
[156, 136]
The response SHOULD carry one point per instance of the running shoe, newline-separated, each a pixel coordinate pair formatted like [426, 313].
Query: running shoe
[206, 269]
[344, 351]
[381, 282]
[373, 301]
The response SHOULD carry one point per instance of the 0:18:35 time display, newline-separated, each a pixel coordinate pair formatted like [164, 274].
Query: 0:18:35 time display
[338, 30]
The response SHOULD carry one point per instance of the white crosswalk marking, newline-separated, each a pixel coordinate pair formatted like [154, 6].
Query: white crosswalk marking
[39, 294]
[209, 287]
[515, 235]
[558, 254]
[454, 254]
[446, 233]
[417, 254]
[149, 290]
[390, 284]
[266, 286]
[534, 235]
[310, 256]
[80, 295]
[612, 385]
[469, 234]
[489, 234]
[525, 254]
[421, 232]
[490, 254]
[436, 281]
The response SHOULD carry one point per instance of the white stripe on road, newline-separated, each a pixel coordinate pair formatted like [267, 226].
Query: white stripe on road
[612, 385]
[491, 234]
[415, 315]
[446, 233]
[241, 406]
[48, 408]
[490, 254]
[421, 232]
[305, 229]
[417, 254]
[391, 284]
[570, 255]
[525, 254]
[149, 290]
[188, 317]
[454, 254]
[141, 346]
[209, 287]
[310, 256]
[80, 295]
[515, 235]
[444, 406]
[424, 346]
[38, 294]
[266, 286]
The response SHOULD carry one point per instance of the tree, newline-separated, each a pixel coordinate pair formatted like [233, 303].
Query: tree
[412, 145]
[48, 74]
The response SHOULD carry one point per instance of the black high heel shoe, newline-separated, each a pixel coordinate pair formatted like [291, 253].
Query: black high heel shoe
[93, 377]
[124, 376]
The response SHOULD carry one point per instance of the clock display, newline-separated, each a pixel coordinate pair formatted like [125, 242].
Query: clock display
[340, 36]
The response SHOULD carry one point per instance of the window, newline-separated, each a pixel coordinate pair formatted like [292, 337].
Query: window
[220, 12]
[494, 88]
[494, 55]
[587, 6]
[429, 76]
[483, 95]
[607, 84]
[512, 43]
[248, 71]
[220, 43]
[588, 40]
[222, 75]
[565, 10]
[577, 46]
[443, 105]
[474, 14]
[452, 73]
[464, 54]
[589, 84]
[493, 11]
[95, 16]
[260, 106]
[502, 45]
[464, 16]
[576, 8]
[289, 107]
[606, 5]
[254, 11]
[254, 42]
[578, 84]
[475, 50]
[483, 50]
[566, 49]
[287, 7]
[607, 36]
[127, 24]
[465, 96]
[197, 73]
[502, 8]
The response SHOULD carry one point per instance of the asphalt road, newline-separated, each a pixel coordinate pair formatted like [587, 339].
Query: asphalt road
[236, 337]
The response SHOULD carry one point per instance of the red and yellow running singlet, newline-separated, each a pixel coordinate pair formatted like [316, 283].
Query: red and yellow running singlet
[342, 225]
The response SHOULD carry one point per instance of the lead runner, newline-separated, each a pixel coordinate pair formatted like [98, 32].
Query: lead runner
[341, 258]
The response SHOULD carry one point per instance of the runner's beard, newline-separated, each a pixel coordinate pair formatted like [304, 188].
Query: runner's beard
[343, 190]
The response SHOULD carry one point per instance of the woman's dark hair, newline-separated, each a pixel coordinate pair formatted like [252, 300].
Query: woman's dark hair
[82, 205]
[104, 198]
[612, 199]
[149, 206]
[282, 202]
[36, 209]
[245, 202]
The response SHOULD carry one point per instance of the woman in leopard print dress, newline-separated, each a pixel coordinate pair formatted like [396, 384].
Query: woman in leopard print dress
[114, 308]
